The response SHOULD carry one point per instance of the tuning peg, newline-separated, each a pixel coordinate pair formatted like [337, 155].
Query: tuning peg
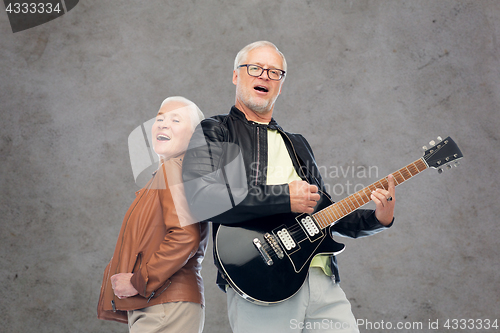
[432, 143]
[424, 147]
[439, 139]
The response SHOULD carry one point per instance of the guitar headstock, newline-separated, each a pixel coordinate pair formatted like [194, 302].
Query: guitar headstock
[442, 154]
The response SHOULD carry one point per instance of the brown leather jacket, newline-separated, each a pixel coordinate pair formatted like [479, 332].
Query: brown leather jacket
[160, 245]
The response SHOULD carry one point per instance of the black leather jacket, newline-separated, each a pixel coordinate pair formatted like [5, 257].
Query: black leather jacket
[224, 174]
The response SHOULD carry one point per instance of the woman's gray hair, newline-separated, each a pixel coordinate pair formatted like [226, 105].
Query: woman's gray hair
[195, 113]
[242, 55]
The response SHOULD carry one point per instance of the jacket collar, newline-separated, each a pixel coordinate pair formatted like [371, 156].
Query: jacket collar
[236, 113]
[177, 159]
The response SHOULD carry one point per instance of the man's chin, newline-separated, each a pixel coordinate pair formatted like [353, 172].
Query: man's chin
[260, 110]
[264, 107]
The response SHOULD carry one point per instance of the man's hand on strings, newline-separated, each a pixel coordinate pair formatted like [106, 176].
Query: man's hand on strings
[385, 201]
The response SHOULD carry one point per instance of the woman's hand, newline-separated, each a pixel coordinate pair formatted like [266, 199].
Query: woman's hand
[122, 286]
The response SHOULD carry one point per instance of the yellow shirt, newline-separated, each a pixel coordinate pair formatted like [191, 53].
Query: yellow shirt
[280, 170]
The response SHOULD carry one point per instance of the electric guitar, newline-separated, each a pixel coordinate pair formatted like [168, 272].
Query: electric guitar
[266, 261]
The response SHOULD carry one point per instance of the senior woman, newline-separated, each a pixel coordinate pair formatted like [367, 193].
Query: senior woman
[153, 281]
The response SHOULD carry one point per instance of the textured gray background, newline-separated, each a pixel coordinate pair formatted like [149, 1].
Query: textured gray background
[369, 83]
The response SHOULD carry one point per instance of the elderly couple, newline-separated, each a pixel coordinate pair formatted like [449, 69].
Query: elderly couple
[153, 280]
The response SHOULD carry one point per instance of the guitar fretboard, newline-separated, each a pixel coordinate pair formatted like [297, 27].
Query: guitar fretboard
[338, 210]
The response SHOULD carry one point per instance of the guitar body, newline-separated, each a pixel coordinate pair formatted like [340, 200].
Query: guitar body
[267, 261]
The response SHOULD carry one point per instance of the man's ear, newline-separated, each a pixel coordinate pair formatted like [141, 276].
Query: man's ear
[281, 85]
[235, 77]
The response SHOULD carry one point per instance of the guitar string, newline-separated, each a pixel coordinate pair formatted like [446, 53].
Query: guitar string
[338, 210]
[347, 205]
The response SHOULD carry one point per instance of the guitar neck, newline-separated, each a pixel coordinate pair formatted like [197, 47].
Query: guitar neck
[333, 213]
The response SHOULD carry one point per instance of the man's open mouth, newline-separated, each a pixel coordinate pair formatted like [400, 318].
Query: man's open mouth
[162, 137]
[261, 88]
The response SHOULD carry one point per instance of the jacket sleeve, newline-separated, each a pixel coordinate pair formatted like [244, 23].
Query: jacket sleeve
[216, 184]
[180, 243]
[360, 223]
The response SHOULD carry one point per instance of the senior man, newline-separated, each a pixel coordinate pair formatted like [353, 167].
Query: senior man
[242, 167]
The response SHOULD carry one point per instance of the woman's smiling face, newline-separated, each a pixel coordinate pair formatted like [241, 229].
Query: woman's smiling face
[172, 130]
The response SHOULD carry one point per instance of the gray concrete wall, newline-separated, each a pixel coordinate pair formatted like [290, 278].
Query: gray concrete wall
[369, 83]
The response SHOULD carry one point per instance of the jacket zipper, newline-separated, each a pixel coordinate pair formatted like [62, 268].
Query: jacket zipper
[154, 292]
[258, 156]
[113, 306]
[294, 153]
[145, 192]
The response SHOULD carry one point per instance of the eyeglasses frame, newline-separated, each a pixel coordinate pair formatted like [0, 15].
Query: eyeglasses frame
[264, 70]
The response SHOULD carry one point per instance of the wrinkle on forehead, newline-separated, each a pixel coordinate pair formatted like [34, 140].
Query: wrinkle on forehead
[252, 54]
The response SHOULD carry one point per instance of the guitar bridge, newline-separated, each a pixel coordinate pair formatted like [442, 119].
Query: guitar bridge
[263, 253]
[274, 244]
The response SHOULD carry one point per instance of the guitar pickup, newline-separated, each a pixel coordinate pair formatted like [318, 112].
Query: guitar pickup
[286, 239]
[263, 253]
[310, 227]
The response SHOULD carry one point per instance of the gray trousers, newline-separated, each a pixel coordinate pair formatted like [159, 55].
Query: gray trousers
[319, 306]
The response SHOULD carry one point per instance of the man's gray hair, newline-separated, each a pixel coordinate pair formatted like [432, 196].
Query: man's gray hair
[242, 55]
[196, 115]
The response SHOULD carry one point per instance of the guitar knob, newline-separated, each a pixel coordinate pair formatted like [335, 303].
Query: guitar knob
[440, 170]
[449, 166]
[457, 163]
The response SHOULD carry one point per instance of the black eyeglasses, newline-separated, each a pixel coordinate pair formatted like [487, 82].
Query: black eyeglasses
[256, 70]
